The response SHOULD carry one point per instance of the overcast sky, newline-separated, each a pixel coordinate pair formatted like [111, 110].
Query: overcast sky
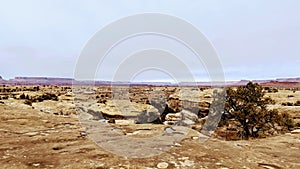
[254, 39]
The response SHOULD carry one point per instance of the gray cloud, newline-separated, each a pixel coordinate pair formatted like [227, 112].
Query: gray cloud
[254, 39]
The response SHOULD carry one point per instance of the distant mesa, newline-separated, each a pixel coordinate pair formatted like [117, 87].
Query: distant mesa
[288, 79]
[1, 79]
[37, 81]
[280, 82]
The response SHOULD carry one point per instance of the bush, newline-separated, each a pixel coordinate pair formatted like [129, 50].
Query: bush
[286, 120]
[248, 107]
[297, 103]
[22, 96]
[47, 96]
[36, 88]
[4, 97]
[28, 102]
[287, 104]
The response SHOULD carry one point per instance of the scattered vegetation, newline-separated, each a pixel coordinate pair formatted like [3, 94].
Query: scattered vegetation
[246, 106]
[297, 103]
[271, 90]
[287, 104]
[28, 102]
[45, 96]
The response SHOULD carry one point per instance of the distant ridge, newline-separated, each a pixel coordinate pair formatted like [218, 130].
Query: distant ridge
[288, 79]
[39, 81]
[282, 82]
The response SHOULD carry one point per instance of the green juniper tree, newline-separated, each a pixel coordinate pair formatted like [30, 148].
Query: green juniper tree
[247, 106]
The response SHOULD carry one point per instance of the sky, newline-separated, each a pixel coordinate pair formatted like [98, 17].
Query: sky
[254, 39]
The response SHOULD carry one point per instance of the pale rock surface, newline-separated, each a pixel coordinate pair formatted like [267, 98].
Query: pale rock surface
[162, 165]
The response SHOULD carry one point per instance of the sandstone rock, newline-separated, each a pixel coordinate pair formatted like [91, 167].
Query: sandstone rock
[36, 164]
[169, 130]
[184, 118]
[31, 134]
[187, 122]
[207, 96]
[169, 122]
[162, 165]
[297, 131]
[173, 117]
[69, 94]
[189, 115]
[124, 122]
[177, 145]
[148, 116]
[83, 134]
[175, 104]
[203, 120]
[187, 163]
[183, 158]
[195, 138]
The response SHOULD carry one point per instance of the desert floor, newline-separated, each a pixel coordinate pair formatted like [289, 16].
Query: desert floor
[49, 135]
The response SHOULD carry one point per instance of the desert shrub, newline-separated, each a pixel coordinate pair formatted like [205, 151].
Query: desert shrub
[36, 88]
[271, 90]
[46, 96]
[297, 103]
[248, 107]
[103, 101]
[49, 96]
[28, 102]
[286, 121]
[287, 104]
[4, 97]
[14, 96]
[22, 96]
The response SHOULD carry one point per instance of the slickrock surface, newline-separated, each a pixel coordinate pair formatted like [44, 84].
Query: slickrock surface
[49, 134]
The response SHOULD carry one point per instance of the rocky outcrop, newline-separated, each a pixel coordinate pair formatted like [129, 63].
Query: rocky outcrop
[199, 108]
[164, 107]
[149, 116]
[183, 118]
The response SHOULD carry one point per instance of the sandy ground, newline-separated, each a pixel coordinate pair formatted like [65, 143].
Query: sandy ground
[31, 138]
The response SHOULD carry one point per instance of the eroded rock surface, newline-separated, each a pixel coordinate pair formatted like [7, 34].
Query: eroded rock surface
[40, 136]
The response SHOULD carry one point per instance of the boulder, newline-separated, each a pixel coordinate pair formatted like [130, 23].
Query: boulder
[189, 115]
[187, 122]
[184, 118]
[162, 165]
[173, 117]
[124, 122]
[297, 131]
[149, 116]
